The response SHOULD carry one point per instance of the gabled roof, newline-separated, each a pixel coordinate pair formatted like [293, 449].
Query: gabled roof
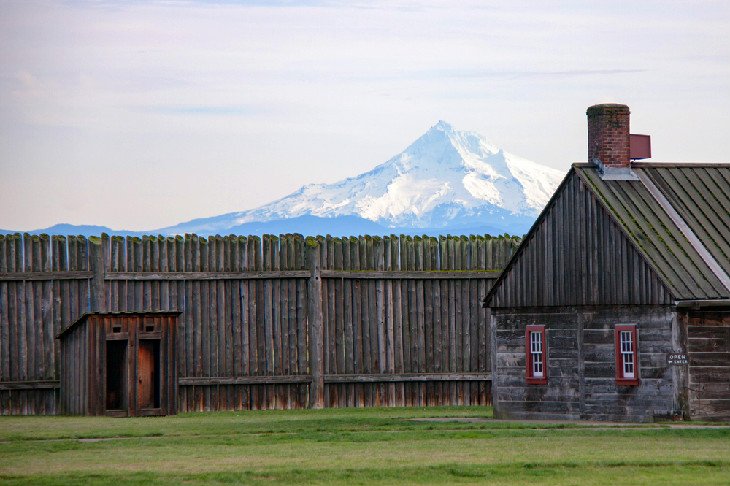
[676, 215]
[700, 195]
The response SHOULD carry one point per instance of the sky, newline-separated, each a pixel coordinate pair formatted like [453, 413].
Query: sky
[138, 115]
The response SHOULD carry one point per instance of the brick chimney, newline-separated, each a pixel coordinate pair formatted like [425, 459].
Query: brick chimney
[608, 136]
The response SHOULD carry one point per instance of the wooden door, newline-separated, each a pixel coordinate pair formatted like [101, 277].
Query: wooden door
[147, 374]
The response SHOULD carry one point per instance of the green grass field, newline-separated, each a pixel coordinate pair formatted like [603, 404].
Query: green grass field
[354, 446]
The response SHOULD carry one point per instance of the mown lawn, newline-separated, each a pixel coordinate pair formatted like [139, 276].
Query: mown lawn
[353, 446]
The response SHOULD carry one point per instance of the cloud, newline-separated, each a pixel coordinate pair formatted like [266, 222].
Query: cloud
[203, 110]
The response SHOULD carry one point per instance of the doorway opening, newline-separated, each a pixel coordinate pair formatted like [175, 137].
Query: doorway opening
[116, 375]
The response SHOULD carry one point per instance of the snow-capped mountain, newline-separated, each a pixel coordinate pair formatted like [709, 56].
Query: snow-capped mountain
[446, 181]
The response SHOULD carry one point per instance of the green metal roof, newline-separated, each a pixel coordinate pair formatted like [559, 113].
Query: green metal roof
[700, 195]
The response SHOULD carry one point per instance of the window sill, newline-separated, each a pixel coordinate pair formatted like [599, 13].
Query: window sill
[629, 382]
[537, 381]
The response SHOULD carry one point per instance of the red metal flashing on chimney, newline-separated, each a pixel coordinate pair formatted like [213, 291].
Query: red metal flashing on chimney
[640, 146]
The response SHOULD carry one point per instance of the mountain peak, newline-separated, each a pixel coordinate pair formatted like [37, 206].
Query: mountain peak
[444, 179]
[443, 126]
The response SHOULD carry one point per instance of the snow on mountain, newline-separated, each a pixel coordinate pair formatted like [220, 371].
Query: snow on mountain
[445, 180]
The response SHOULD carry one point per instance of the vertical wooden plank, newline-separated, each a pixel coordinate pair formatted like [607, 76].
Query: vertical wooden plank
[381, 320]
[349, 328]
[4, 330]
[47, 370]
[253, 319]
[484, 329]
[357, 306]
[410, 327]
[20, 326]
[389, 340]
[451, 319]
[26, 341]
[428, 320]
[340, 340]
[112, 287]
[316, 392]
[196, 322]
[366, 246]
[372, 323]
[225, 316]
[164, 248]
[59, 265]
[398, 364]
[278, 337]
[405, 307]
[474, 322]
[293, 330]
[212, 323]
[243, 323]
[261, 314]
[302, 309]
[152, 259]
[205, 326]
[35, 338]
[331, 325]
[420, 316]
[268, 344]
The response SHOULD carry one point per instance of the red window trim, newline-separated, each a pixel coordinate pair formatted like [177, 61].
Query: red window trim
[620, 380]
[531, 380]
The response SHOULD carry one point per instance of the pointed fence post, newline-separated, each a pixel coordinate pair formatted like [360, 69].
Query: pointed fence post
[314, 326]
[96, 262]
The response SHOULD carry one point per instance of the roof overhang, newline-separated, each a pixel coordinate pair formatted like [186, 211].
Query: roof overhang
[703, 304]
[86, 315]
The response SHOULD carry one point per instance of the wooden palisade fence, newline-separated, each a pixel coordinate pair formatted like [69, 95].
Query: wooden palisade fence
[272, 322]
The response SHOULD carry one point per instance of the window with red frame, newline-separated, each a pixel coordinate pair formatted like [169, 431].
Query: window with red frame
[627, 355]
[536, 350]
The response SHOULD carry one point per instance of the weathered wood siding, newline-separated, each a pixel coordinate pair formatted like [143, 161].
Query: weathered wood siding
[44, 285]
[708, 348]
[577, 255]
[401, 322]
[581, 364]
[75, 372]
[431, 332]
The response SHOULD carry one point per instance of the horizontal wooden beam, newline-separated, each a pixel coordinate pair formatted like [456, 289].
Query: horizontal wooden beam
[30, 385]
[136, 276]
[420, 275]
[406, 377]
[242, 380]
[24, 276]
[332, 379]
[282, 274]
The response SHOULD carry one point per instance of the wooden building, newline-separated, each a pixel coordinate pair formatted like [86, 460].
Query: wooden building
[120, 364]
[616, 306]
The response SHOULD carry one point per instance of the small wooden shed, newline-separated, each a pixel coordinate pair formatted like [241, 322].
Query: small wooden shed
[120, 364]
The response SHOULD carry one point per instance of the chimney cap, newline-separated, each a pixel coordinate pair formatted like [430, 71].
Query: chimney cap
[602, 108]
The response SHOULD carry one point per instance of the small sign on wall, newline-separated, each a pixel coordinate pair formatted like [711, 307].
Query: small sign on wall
[677, 358]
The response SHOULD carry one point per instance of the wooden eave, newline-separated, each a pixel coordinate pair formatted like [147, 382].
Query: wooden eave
[86, 315]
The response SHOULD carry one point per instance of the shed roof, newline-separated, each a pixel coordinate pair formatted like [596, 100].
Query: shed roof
[700, 195]
[86, 315]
